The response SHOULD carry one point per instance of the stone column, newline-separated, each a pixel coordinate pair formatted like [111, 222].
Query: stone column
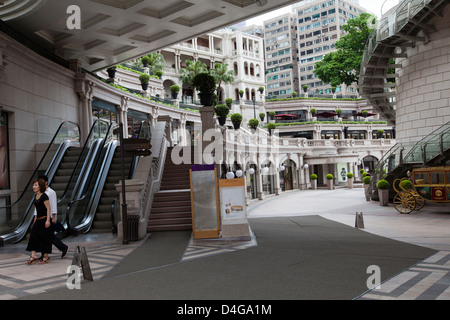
[85, 90]
[208, 122]
[123, 115]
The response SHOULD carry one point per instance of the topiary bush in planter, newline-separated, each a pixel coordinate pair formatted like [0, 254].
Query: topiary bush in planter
[206, 85]
[330, 181]
[236, 119]
[222, 111]
[366, 181]
[383, 192]
[313, 178]
[271, 126]
[144, 79]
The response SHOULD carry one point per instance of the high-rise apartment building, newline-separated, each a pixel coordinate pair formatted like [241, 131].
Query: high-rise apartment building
[295, 41]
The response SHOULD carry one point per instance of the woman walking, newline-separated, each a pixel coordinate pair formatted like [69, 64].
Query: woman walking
[40, 236]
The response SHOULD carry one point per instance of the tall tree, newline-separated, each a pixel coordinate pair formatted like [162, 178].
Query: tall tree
[156, 62]
[222, 74]
[191, 70]
[343, 65]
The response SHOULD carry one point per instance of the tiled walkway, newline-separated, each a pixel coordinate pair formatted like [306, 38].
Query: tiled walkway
[19, 280]
[428, 280]
[202, 248]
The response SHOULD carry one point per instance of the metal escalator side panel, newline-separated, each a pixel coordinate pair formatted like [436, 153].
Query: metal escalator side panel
[78, 208]
[68, 133]
[96, 192]
[22, 228]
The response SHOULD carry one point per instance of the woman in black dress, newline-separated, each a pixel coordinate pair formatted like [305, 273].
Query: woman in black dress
[40, 236]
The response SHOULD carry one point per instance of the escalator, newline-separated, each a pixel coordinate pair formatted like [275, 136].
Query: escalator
[96, 209]
[67, 166]
[109, 199]
[83, 179]
[17, 217]
[432, 150]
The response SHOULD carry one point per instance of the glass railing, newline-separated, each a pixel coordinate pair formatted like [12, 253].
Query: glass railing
[15, 219]
[418, 153]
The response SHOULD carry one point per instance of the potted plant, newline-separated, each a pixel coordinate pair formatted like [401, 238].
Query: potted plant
[313, 178]
[366, 182]
[111, 71]
[272, 114]
[144, 79]
[241, 93]
[145, 60]
[229, 102]
[271, 126]
[380, 133]
[313, 113]
[174, 89]
[236, 119]
[350, 178]
[262, 115]
[383, 192]
[222, 111]
[261, 89]
[253, 123]
[206, 85]
[159, 74]
[294, 94]
[330, 181]
[305, 88]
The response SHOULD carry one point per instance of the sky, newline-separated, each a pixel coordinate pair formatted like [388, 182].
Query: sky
[372, 6]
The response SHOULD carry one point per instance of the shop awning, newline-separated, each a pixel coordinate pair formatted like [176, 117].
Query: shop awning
[368, 114]
[326, 114]
[285, 115]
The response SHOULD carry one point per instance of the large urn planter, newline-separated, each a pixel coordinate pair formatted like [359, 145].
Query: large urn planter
[383, 192]
[330, 181]
[350, 179]
[313, 178]
[366, 181]
[236, 119]
[222, 111]
[206, 85]
[111, 72]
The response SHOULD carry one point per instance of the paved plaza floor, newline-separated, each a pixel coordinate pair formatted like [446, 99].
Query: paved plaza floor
[305, 246]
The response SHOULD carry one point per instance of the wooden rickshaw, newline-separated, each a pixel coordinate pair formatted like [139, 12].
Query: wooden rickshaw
[428, 184]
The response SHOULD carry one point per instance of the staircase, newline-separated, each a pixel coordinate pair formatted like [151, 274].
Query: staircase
[171, 207]
[432, 150]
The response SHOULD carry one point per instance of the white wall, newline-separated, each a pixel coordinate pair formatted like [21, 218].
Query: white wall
[38, 96]
[423, 96]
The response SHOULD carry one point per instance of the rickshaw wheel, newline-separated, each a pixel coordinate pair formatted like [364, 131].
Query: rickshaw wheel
[404, 202]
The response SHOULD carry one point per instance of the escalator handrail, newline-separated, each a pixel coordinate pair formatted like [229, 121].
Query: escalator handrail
[39, 164]
[86, 223]
[90, 172]
[85, 146]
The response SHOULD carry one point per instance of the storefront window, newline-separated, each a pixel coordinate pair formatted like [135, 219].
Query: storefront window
[330, 135]
[288, 177]
[104, 110]
[267, 173]
[250, 180]
[134, 121]
[4, 159]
